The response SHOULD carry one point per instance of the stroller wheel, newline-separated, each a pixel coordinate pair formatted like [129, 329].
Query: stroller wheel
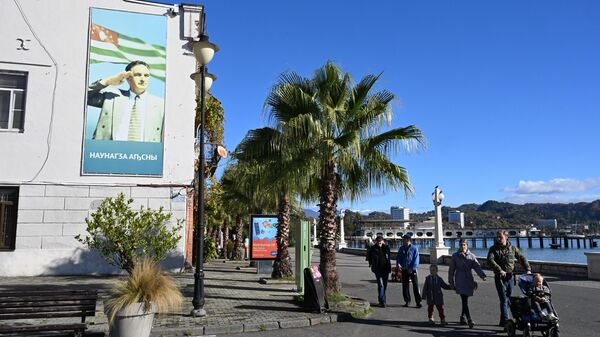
[510, 328]
[527, 330]
[554, 332]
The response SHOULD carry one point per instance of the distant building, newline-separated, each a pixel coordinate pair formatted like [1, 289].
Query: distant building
[399, 213]
[457, 217]
[547, 223]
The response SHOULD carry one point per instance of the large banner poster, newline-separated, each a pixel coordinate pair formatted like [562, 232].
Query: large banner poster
[263, 232]
[124, 123]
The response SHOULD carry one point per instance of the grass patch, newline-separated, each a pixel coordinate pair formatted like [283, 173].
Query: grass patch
[299, 298]
[362, 313]
[336, 297]
[262, 327]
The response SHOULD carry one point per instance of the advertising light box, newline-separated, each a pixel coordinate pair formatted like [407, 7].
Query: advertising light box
[263, 233]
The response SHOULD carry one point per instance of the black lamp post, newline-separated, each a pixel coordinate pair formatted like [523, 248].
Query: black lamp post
[204, 52]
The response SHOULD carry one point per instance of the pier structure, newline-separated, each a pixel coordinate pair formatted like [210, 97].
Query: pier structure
[478, 238]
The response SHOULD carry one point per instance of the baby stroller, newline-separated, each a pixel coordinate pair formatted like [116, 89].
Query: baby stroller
[524, 317]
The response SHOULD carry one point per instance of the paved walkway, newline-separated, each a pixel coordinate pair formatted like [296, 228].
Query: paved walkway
[235, 302]
[576, 301]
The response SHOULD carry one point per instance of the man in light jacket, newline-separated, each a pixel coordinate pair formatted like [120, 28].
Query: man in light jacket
[407, 261]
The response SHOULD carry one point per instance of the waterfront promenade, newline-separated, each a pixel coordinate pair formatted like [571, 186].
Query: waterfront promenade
[576, 299]
[238, 305]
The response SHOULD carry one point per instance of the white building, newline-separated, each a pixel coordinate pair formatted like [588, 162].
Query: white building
[45, 191]
[457, 217]
[399, 213]
[542, 223]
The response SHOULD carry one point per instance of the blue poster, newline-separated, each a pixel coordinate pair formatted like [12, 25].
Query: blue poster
[124, 124]
[263, 242]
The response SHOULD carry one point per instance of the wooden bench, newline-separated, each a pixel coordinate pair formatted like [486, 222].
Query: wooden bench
[19, 305]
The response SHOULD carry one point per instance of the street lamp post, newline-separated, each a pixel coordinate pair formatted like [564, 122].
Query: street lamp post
[436, 252]
[203, 52]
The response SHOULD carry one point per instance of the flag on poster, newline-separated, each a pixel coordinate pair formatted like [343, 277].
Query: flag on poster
[112, 47]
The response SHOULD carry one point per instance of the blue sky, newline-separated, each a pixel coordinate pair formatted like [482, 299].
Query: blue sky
[506, 92]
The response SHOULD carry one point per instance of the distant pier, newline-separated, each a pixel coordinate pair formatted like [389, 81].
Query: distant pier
[476, 238]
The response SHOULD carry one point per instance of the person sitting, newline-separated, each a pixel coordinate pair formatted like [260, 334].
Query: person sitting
[540, 299]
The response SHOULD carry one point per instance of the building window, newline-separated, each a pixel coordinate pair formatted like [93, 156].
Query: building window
[13, 86]
[9, 199]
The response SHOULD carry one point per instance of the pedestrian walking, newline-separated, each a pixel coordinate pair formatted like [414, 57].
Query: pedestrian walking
[379, 261]
[432, 292]
[407, 260]
[460, 277]
[502, 257]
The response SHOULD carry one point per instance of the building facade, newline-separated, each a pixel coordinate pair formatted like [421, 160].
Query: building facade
[55, 167]
[399, 213]
[457, 217]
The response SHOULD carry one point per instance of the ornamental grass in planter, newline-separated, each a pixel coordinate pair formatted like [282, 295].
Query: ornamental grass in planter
[134, 300]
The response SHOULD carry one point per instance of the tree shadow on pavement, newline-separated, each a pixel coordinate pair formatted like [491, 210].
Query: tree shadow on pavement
[271, 308]
[425, 328]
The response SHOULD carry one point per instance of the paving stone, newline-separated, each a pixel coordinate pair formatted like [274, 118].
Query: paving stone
[294, 323]
[216, 329]
[320, 320]
[264, 326]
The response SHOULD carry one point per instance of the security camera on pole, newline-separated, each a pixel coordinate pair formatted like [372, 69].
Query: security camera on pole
[438, 250]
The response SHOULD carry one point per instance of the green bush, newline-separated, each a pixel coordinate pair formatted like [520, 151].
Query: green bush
[210, 249]
[124, 236]
[229, 249]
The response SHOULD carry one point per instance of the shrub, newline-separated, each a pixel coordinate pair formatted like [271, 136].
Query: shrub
[230, 252]
[148, 285]
[124, 236]
[210, 249]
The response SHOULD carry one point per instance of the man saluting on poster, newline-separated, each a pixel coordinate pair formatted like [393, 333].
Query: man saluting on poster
[128, 115]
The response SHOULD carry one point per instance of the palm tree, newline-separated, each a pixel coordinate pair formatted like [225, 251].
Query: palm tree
[331, 128]
[237, 201]
[277, 175]
[242, 196]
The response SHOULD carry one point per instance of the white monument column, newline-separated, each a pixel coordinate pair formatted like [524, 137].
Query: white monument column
[436, 252]
[343, 243]
[315, 235]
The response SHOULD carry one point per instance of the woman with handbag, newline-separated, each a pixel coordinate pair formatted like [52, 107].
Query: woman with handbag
[460, 276]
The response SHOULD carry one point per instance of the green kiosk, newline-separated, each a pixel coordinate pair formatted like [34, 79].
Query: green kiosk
[302, 250]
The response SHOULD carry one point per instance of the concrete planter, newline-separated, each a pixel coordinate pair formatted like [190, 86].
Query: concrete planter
[593, 263]
[132, 321]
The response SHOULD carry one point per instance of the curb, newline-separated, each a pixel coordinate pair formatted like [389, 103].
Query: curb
[327, 318]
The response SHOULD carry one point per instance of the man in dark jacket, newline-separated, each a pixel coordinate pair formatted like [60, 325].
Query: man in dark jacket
[408, 262]
[502, 257]
[379, 261]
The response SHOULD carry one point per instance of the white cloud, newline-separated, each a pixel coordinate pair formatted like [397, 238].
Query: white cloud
[554, 186]
[558, 190]
[545, 198]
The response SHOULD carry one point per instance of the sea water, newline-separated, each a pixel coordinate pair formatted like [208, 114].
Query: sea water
[568, 255]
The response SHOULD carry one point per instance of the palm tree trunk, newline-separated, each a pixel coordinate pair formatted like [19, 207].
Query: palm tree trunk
[225, 230]
[237, 243]
[328, 229]
[282, 266]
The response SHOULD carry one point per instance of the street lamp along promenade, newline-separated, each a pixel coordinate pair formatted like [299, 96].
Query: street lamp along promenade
[203, 52]
[438, 250]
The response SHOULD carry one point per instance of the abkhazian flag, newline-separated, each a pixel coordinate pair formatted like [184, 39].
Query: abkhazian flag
[109, 46]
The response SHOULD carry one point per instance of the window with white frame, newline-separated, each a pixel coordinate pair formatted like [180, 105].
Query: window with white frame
[13, 87]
